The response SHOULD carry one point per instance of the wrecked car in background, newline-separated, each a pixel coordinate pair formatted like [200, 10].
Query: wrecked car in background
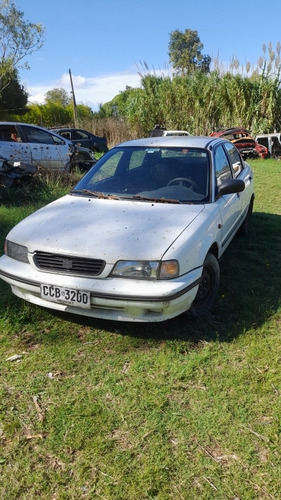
[22, 142]
[244, 142]
[163, 132]
[272, 142]
[83, 138]
[11, 172]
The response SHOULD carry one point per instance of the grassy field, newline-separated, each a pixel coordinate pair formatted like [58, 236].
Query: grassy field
[178, 410]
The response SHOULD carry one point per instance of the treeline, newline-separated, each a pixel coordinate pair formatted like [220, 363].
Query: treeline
[53, 114]
[201, 103]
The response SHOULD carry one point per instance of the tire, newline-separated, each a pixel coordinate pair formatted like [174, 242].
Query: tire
[244, 228]
[208, 287]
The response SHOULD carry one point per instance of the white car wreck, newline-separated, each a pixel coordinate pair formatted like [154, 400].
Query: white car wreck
[36, 146]
[139, 238]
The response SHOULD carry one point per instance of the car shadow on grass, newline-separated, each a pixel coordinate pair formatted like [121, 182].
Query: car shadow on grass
[249, 292]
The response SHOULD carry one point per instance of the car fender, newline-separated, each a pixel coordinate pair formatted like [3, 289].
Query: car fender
[192, 246]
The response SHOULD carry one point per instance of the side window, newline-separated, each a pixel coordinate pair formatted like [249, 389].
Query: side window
[222, 167]
[78, 134]
[9, 134]
[234, 158]
[57, 140]
[66, 135]
[38, 136]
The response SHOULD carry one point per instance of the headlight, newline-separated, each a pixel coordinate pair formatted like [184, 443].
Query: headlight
[146, 270]
[15, 251]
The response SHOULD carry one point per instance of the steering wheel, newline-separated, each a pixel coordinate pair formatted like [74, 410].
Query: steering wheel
[182, 181]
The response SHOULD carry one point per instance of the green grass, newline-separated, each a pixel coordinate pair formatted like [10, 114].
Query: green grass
[180, 410]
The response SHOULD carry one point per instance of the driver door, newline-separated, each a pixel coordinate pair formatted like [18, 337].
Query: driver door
[229, 204]
[47, 149]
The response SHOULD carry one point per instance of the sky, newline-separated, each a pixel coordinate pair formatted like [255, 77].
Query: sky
[108, 44]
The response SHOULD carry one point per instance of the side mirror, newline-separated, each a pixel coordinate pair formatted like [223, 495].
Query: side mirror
[229, 186]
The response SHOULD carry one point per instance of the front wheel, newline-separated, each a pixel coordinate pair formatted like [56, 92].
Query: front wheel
[208, 287]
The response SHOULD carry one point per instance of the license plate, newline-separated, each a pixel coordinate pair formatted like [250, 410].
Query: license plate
[79, 298]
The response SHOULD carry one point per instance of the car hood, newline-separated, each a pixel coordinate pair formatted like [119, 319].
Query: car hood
[105, 229]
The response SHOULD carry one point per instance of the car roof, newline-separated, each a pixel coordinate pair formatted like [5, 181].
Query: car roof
[35, 126]
[15, 123]
[232, 130]
[27, 125]
[276, 134]
[175, 131]
[68, 129]
[22, 123]
[191, 141]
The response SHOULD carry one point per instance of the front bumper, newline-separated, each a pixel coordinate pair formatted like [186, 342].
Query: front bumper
[116, 299]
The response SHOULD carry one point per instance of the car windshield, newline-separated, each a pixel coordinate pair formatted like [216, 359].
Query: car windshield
[172, 175]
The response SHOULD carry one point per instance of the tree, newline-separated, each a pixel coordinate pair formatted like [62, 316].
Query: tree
[58, 96]
[185, 53]
[19, 38]
[13, 97]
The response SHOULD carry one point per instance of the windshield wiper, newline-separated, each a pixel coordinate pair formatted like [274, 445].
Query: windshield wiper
[97, 194]
[154, 200]
[136, 197]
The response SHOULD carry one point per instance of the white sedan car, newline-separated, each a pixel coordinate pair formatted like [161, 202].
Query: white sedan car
[139, 238]
[22, 142]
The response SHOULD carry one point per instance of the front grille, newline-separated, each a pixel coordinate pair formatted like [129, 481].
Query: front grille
[68, 265]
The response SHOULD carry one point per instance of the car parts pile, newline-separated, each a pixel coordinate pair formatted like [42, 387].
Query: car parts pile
[10, 172]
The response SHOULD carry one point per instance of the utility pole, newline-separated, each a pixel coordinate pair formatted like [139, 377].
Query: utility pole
[73, 100]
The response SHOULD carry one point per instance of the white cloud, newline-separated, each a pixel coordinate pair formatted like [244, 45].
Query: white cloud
[89, 91]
